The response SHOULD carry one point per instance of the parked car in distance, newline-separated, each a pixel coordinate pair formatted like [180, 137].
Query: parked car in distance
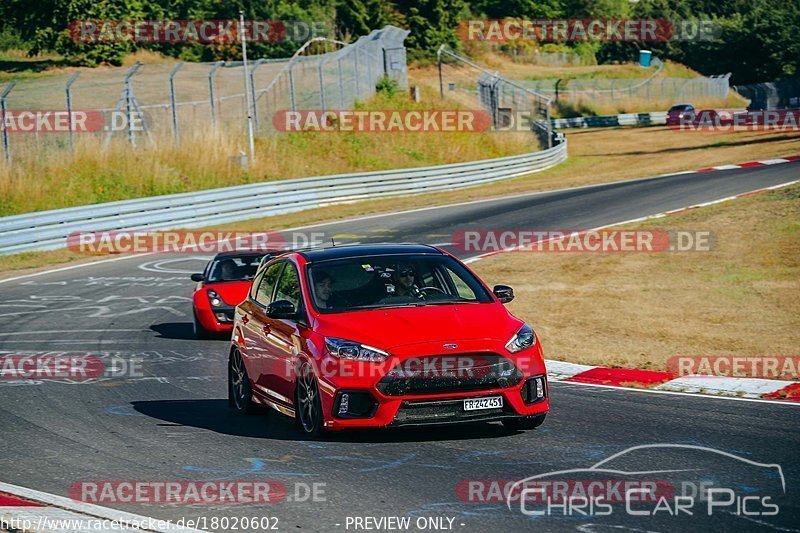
[678, 112]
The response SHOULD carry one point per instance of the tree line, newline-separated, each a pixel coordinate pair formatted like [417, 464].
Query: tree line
[757, 40]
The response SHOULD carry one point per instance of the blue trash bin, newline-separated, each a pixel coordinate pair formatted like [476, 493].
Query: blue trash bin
[644, 58]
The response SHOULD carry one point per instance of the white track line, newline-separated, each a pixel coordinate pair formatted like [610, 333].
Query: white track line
[676, 393]
[87, 509]
[640, 219]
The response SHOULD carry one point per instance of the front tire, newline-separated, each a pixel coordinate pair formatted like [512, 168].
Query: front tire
[308, 406]
[240, 395]
[200, 332]
[523, 423]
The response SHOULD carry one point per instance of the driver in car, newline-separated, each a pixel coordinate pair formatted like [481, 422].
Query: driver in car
[404, 278]
[227, 269]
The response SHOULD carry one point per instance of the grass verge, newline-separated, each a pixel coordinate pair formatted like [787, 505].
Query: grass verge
[203, 160]
[637, 310]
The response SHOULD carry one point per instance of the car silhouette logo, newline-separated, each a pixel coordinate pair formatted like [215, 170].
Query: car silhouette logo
[450, 346]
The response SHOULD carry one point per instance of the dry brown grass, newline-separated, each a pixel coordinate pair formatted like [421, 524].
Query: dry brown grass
[637, 310]
[202, 161]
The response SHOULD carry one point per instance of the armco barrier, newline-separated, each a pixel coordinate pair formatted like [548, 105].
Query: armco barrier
[626, 119]
[47, 230]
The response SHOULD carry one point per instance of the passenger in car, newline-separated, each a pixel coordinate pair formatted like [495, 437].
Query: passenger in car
[323, 290]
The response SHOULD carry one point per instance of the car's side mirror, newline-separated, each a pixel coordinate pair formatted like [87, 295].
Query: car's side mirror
[504, 293]
[197, 277]
[281, 309]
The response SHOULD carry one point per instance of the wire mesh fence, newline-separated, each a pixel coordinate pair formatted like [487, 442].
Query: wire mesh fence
[606, 91]
[784, 94]
[550, 59]
[151, 103]
[508, 102]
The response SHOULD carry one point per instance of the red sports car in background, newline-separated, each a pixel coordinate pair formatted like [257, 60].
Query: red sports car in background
[680, 112]
[383, 336]
[221, 287]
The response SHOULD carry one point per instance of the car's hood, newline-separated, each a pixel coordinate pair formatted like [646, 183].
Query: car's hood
[402, 326]
[232, 292]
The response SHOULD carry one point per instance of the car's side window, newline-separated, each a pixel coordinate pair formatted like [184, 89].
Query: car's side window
[265, 288]
[256, 283]
[289, 286]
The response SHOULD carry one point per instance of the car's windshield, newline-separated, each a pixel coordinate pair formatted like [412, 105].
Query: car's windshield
[681, 107]
[392, 281]
[233, 268]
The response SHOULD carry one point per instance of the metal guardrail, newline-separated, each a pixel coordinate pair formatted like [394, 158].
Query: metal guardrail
[654, 118]
[48, 230]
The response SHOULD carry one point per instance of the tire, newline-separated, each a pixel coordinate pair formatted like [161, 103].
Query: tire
[200, 332]
[523, 423]
[308, 406]
[240, 395]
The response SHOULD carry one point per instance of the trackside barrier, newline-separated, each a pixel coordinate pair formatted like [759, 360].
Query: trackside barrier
[48, 230]
[626, 119]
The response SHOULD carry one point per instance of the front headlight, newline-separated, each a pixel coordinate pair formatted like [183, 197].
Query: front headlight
[214, 298]
[522, 339]
[344, 349]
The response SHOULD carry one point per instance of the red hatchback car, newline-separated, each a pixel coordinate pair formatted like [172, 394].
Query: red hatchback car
[383, 336]
[221, 287]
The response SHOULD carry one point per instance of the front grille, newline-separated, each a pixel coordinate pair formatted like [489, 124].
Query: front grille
[447, 411]
[450, 373]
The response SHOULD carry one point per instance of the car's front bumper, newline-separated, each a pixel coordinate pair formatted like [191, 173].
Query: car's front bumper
[375, 409]
[209, 319]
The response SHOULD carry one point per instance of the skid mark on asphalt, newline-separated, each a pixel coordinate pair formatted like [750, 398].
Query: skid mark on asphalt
[257, 466]
[597, 528]
[460, 509]
[125, 409]
[158, 266]
[384, 464]
[114, 281]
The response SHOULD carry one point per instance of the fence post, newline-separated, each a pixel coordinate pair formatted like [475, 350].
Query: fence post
[441, 83]
[3, 117]
[172, 102]
[253, 89]
[355, 56]
[291, 86]
[129, 100]
[68, 91]
[341, 82]
[211, 72]
[321, 74]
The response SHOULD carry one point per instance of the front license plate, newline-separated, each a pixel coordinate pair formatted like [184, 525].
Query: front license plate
[474, 404]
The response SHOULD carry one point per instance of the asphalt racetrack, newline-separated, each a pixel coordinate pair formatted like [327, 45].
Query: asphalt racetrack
[173, 423]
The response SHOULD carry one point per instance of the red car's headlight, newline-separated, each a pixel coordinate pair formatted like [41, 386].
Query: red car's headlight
[355, 351]
[522, 339]
[214, 299]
